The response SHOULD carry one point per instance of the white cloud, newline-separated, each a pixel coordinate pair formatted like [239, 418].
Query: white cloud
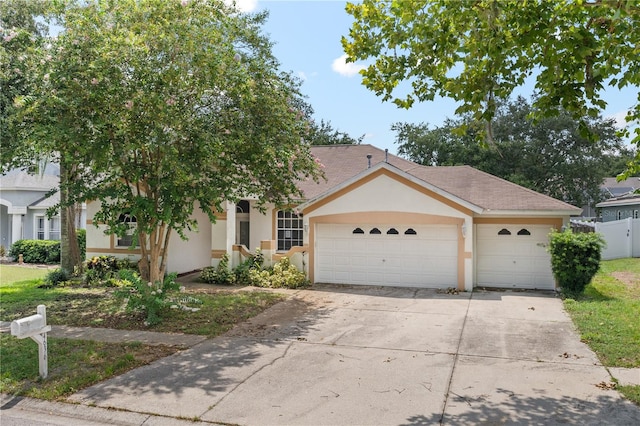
[348, 69]
[244, 5]
[619, 119]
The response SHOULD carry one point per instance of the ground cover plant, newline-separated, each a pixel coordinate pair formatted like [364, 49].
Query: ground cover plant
[606, 316]
[75, 364]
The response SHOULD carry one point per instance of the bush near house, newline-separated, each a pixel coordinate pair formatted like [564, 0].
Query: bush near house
[36, 251]
[103, 270]
[282, 275]
[575, 259]
[44, 251]
[220, 274]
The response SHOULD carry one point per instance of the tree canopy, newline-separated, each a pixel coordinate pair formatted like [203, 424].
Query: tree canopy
[549, 155]
[479, 52]
[166, 106]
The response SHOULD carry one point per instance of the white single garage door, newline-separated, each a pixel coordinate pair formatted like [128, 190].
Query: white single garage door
[389, 255]
[513, 256]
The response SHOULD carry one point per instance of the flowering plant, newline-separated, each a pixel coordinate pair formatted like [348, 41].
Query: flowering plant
[147, 297]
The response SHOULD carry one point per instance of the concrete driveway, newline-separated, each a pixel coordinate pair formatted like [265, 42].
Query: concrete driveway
[367, 355]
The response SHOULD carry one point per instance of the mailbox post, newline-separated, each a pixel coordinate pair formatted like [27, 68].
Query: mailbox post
[35, 327]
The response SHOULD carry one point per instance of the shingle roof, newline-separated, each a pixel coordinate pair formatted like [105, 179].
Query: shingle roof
[19, 180]
[489, 192]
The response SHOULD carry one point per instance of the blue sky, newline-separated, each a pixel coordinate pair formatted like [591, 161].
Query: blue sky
[307, 36]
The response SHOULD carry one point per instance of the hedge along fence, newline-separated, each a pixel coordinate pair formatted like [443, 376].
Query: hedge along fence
[44, 251]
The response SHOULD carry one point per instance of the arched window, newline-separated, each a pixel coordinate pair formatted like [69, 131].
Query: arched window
[242, 206]
[127, 239]
[504, 231]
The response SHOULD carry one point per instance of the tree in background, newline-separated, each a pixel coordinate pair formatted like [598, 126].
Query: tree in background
[478, 52]
[164, 107]
[24, 33]
[548, 155]
[324, 134]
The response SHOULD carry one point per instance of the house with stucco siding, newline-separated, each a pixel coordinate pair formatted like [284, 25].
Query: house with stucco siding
[378, 219]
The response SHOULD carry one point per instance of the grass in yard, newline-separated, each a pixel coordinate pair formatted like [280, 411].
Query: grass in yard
[73, 364]
[606, 316]
[10, 274]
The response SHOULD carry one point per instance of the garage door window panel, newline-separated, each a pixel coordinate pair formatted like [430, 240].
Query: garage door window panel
[524, 232]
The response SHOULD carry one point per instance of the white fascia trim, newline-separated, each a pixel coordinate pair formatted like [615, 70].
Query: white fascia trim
[474, 208]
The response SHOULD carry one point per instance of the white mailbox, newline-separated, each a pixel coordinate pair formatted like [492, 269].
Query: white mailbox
[35, 327]
[29, 326]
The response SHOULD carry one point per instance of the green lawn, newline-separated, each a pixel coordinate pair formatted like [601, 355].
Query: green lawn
[10, 274]
[75, 364]
[607, 316]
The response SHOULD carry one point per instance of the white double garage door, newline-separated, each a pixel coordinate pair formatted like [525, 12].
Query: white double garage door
[427, 256]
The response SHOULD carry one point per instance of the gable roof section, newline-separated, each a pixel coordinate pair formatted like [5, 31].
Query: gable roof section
[343, 164]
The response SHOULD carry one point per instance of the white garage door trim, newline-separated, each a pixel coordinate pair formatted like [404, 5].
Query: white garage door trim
[399, 255]
[513, 256]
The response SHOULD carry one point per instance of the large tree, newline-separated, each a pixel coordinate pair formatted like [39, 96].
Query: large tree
[478, 52]
[548, 155]
[164, 107]
[24, 33]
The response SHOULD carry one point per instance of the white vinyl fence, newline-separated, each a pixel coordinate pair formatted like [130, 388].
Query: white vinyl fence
[622, 237]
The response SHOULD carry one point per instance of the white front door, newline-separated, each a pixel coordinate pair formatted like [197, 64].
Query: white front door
[387, 254]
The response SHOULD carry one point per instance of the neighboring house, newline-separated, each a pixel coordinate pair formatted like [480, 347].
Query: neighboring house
[381, 220]
[24, 204]
[617, 208]
[612, 189]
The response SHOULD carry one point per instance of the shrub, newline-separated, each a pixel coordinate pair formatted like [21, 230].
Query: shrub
[55, 277]
[241, 271]
[148, 297]
[103, 270]
[220, 274]
[575, 259]
[3, 251]
[283, 274]
[36, 251]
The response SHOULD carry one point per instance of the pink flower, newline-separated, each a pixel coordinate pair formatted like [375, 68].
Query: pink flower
[128, 104]
[94, 81]
[171, 101]
[184, 3]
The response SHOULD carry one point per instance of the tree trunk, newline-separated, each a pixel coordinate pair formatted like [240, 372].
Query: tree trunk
[152, 264]
[69, 249]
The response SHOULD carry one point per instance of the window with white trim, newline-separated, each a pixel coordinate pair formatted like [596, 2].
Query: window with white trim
[289, 230]
[40, 228]
[54, 228]
[127, 239]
